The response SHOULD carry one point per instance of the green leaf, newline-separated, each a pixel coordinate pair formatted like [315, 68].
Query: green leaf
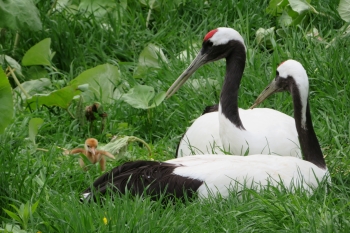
[6, 106]
[13, 216]
[60, 98]
[190, 53]
[141, 95]
[276, 7]
[285, 19]
[196, 84]
[34, 206]
[266, 37]
[35, 72]
[9, 61]
[158, 99]
[19, 15]
[101, 79]
[301, 6]
[120, 89]
[39, 54]
[15, 207]
[9, 228]
[117, 146]
[39, 181]
[150, 58]
[33, 87]
[34, 125]
[151, 55]
[344, 10]
[281, 32]
[25, 214]
[83, 87]
[298, 19]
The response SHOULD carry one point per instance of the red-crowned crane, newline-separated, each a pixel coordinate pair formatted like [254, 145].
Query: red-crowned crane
[92, 154]
[232, 129]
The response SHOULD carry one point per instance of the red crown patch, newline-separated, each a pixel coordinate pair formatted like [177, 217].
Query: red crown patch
[210, 34]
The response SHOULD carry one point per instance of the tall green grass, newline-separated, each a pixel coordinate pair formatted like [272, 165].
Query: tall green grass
[29, 175]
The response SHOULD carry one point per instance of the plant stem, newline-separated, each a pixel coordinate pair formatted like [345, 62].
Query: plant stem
[15, 44]
[70, 113]
[149, 115]
[46, 150]
[148, 16]
[133, 139]
[42, 149]
[17, 82]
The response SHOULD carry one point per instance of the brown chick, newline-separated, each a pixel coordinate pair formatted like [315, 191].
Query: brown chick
[92, 153]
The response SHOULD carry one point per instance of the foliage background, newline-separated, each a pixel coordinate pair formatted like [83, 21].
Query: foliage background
[45, 185]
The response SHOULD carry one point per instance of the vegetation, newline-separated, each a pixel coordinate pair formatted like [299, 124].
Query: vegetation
[66, 55]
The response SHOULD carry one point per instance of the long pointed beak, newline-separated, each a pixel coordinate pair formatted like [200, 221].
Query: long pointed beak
[269, 90]
[196, 63]
[93, 150]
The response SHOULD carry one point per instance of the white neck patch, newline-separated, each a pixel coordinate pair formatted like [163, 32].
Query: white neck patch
[224, 35]
[296, 70]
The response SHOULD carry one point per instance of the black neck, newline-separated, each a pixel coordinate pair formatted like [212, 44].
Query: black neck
[235, 63]
[308, 141]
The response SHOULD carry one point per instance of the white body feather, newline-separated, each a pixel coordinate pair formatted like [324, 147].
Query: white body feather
[222, 172]
[202, 137]
[267, 132]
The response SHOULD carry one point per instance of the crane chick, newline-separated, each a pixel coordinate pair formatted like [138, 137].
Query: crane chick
[91, 152]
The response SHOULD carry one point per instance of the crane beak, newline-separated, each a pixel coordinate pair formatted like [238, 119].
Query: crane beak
[269, 90]
[92, 150]
[200, 60]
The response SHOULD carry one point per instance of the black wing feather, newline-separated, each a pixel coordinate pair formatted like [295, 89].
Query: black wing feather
[213, 108]
[150, 177]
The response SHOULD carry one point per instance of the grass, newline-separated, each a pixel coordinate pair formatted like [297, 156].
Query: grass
[29, 175]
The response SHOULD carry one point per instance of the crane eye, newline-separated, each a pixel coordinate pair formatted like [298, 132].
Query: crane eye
[210, 44]
[277, 74]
